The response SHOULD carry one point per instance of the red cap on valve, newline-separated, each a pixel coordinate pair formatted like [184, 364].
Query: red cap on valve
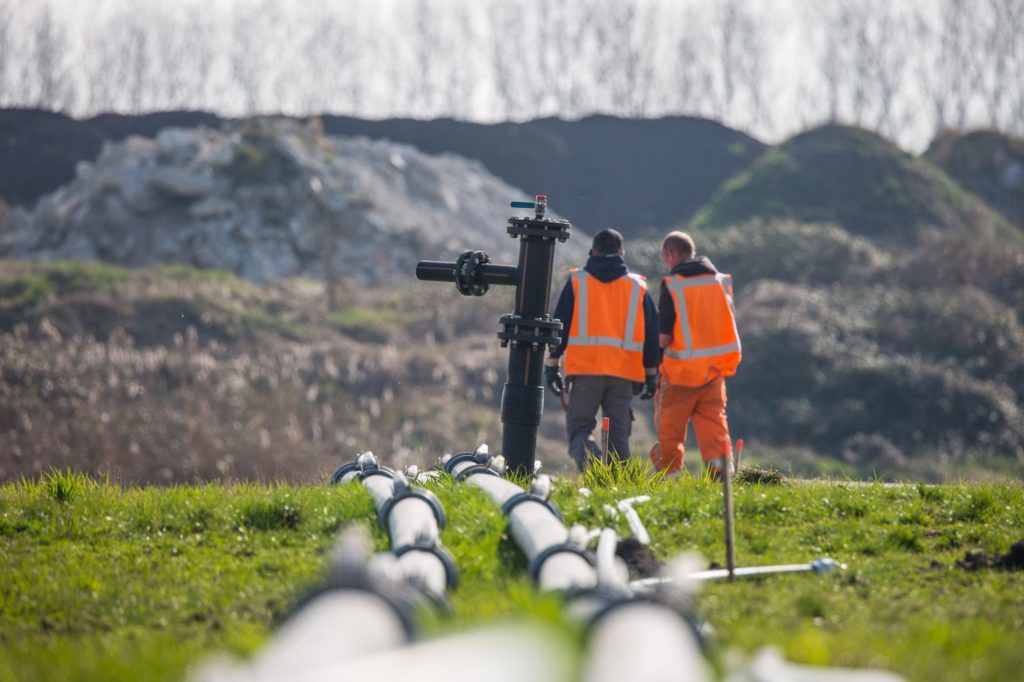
[542, 197]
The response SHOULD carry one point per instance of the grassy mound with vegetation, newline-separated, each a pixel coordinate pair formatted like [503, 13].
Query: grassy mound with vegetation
[850, 177]
[988, 163]
[120, 583]
[888, 359]
[174, 374]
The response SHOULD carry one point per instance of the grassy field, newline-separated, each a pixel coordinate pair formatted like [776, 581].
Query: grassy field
[102, 582]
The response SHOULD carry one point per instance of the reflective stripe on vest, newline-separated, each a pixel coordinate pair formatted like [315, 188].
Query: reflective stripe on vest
[606, 335]
[682, 319]
[688, 360]
[583, 339]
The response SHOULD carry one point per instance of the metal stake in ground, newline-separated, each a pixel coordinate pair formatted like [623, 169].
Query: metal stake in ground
[604, 440]
[730, 549]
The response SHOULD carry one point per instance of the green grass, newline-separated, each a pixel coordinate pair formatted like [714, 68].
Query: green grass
[58, 279]
[112, 583]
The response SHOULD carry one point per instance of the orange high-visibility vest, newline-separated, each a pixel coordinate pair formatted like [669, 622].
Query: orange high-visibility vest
[705, 342]
[607, 332]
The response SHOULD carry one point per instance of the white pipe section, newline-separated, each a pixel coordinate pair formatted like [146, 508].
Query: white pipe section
[607, 576]
[329, 631]
[643, 642]
[822, 565]
[535, 528]
[494, 654]
[411, 520]
[635, 524]
[769, 666]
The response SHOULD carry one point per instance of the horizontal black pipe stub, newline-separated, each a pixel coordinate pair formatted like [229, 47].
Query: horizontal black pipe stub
[384, 513]
[517, 499]
[533, 570]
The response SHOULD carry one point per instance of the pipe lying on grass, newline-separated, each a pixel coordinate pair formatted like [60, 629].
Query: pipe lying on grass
[365, 607]
[557, 559]
[368, 603]
[629, 637]
[822, 565]
[412, 517]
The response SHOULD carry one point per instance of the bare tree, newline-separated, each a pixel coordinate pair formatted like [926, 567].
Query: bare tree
[740, 54]
[693, 77]
[6, 52]
[1003, 84]
[506, 50]
[250, 51]
[462, 77]
[181, 57]
[48, 66]
[952, 68]
[425, 81]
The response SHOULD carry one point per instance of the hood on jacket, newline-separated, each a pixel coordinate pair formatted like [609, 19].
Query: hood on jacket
[695, 266]
[607, 267]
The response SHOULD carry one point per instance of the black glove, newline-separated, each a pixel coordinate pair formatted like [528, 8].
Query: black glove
[553, 379]
[650, 386]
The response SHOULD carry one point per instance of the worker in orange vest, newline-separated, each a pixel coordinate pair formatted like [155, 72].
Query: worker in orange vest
[701, 347]
[610, 346]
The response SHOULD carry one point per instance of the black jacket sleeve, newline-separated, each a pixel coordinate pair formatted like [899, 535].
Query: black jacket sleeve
[652, 350]
[666, 311]
[563, 312]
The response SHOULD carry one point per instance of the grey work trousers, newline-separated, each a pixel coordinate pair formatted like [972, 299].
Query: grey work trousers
[612, 395]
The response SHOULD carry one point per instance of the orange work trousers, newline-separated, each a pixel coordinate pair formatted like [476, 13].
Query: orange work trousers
[674, 408]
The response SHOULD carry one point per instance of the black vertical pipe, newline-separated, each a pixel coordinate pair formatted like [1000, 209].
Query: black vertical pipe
[527, 332]
[522, 398]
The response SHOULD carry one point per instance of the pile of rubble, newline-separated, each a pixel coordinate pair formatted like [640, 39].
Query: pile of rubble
[268, 198]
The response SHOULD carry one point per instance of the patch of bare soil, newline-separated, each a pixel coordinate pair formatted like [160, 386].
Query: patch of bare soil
[1011, 561]
[638, 557]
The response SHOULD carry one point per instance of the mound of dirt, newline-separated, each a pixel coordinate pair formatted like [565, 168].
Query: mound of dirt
[988, 163]
[1011, 561]
[39, 151]
[850, 177]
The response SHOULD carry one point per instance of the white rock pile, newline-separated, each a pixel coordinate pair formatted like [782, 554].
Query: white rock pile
[268, 198]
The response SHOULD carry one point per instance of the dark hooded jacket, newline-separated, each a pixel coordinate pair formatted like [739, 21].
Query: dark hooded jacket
[608, 268]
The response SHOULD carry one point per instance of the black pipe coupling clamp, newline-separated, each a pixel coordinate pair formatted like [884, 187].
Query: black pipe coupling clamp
[615, 603]
[356, 471]
[467, 278]
[517, 499]
[403, 492]
[533, 569]
[451, 571]
[539, 227]
[481, 465]
[532, 331]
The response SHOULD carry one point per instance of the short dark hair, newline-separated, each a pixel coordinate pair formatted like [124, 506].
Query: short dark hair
[681, 243]
[607, 242]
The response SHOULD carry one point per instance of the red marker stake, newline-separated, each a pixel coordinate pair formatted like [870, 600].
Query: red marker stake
[604, 439]
[739, 451]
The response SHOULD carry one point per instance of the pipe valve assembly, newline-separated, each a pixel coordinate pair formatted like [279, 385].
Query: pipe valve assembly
[527, 331]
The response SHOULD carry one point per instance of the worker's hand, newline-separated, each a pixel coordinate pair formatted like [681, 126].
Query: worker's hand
[553, 379]
[650, 386]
